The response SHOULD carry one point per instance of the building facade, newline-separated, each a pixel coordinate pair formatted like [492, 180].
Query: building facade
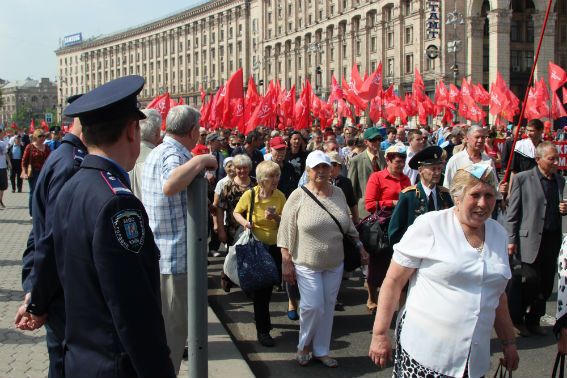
[28, 99]
[316, 39]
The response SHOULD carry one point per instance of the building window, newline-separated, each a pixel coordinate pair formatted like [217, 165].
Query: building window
[373, 44]
[390, 40]
[357, 48]
[373, 66]
[390, 67]
[514, 31]
[409, 35]
[430, 64]
[409, 63]
[407, 7]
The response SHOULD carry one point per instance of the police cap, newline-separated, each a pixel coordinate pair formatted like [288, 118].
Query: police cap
[428, 156]
[54, 129]
[115, 99]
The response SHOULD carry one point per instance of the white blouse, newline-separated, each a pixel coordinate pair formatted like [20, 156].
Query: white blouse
[453, 294]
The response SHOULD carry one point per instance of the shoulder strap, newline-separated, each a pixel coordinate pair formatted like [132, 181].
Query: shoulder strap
[323, 207]
[252, 199]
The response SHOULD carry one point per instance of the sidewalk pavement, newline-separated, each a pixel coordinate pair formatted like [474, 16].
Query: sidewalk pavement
[24, 354]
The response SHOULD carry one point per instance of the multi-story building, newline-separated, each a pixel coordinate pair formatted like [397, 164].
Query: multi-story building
[316, 39]
[35, 98]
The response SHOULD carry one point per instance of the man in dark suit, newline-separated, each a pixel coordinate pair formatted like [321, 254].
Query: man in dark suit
[534, 231]
[364, 164]
[425, 196]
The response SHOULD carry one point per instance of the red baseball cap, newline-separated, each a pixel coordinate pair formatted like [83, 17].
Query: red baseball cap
[277, 142]
[200, 149]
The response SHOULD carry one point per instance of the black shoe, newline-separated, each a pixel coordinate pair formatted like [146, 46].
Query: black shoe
[266, 340]
[339, 306]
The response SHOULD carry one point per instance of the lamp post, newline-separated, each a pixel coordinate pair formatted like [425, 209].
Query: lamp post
[454, 18]
[316, 48]
[62, 80]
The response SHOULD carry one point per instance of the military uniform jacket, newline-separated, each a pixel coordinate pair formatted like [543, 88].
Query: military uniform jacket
[411, 204]
[108, 266]
[42, 281]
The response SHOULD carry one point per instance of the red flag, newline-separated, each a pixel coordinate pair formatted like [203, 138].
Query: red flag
[418, 85]
[181, 101]
[251, 102]
[288, 104]
[162, 104]
[372, 85]
[234, 101]
[32, 125]
[44, 126]
[343, 110]
[556, 76]
[498, 100]
[302, 112]
[355, 77]
[219, 108]
[564, 93]
[375, 110]
[557, 109]
[336, 91]
[205, 112]
[351, 95]
[475, 113]
[264, 111]
[14, 126]
[481, 95]
[454, 94]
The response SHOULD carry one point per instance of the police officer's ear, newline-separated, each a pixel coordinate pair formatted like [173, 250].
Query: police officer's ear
[133, 130]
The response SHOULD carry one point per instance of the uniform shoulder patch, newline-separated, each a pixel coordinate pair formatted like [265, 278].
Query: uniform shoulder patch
[443, 189]
[129, 229]
[409, 188]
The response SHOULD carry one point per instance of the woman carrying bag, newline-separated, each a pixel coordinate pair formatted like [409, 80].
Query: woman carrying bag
[35, 155]
[268, 204]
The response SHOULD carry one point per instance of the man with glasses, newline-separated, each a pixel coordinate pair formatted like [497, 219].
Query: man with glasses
[364, 164]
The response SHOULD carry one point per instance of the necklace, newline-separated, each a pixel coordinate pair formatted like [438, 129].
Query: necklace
[481, 246]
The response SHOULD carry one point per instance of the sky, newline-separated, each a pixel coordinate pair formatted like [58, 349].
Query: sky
[30, 30]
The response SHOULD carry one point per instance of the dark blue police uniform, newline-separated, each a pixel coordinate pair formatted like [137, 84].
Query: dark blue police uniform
[110, 276]
[39, 273]
[107, 260]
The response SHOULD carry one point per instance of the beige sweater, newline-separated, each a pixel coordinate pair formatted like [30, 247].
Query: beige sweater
[310, 234]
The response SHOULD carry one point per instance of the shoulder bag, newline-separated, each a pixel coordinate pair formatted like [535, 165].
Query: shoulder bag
[373, 231]
[256, 267]
[351, 251]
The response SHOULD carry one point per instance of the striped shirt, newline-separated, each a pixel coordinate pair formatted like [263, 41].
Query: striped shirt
[167, 214]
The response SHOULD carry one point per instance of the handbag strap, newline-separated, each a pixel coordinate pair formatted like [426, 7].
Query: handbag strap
[322, 206]
[252, 199]
[559, 363]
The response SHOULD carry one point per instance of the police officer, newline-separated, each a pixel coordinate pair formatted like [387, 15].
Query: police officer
[39, 274]
[423, 197]
[105, 250]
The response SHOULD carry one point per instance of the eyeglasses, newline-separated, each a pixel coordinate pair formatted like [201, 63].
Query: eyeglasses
[237, 144]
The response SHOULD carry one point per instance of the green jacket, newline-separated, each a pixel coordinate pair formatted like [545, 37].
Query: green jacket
[411, 204]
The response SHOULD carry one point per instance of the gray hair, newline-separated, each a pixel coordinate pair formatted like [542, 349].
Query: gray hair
[474, 128]
[242, 160]
[181, 120]
[150, 126]
[543, 147]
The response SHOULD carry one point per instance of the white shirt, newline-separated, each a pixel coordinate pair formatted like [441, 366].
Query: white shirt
[428, 192]
[462, 160]
[411, 173]
[526, 147]
[453, 294]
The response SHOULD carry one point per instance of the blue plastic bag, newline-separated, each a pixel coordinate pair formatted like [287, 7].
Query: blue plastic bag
[256, 267]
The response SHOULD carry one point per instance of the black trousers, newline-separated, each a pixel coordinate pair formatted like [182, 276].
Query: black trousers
[263, 296]
[15, 174]
[536, 284]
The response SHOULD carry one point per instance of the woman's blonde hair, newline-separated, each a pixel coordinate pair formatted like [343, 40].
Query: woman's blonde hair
[37, 133]
[463, 181]
[266, 169]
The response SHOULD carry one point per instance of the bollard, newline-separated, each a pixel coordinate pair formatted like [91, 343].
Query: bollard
[197, 323]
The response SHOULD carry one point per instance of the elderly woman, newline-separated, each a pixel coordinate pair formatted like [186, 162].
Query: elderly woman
[382, 193]
[34, 157]
[456, 262]
[312, 255]
[268, 206]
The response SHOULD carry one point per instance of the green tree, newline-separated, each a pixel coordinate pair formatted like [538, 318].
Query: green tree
[23, 116]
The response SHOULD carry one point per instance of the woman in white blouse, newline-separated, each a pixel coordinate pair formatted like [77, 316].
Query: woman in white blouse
[457, 266]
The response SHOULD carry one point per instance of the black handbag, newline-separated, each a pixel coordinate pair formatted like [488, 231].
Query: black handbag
[502, 372]
[559, 364]
[373, 231]
[351, 251]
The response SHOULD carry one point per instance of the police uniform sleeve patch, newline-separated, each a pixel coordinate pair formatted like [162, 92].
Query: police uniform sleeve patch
[129, 229]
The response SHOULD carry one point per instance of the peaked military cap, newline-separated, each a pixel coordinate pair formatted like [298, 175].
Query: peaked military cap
[427, 156]
[115, 99]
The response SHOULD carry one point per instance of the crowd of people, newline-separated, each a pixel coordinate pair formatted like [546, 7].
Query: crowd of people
[463, 252]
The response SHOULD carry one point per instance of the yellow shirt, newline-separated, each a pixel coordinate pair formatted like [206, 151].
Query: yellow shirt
[265, 230]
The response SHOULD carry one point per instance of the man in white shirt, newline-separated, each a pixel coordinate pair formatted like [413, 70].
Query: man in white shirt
[524, 152]
[416, 144]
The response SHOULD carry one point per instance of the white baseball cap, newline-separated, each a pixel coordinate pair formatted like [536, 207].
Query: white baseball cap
[317, 157]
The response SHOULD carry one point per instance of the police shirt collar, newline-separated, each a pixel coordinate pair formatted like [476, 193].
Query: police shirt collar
[75, 141]
[105, 164]
[122, 171]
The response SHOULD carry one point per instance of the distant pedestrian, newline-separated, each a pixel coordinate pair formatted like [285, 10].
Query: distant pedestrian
[15, 153]
[34, 157]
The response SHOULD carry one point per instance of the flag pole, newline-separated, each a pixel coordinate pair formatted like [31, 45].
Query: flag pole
[542, 33]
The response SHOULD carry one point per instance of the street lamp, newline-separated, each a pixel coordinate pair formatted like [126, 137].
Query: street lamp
[316, 48]
[454, 18]
[62, 80]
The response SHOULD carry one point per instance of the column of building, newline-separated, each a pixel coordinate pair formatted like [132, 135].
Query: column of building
[475, 35]
[499, 37]
[547, 51]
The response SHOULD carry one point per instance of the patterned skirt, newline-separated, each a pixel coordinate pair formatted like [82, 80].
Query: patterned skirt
[406, 367]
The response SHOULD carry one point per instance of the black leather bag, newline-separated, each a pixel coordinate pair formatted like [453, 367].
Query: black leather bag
[502, 372]
[373, 231]
[559, 366]
[351, 251]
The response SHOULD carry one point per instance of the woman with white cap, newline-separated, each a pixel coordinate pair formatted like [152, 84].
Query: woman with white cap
[312, 255]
